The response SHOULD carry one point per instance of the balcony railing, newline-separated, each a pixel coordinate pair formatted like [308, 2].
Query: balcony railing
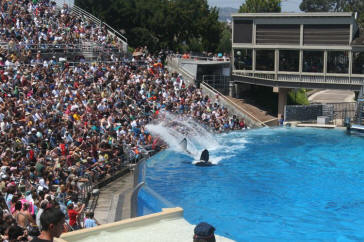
[343, 79]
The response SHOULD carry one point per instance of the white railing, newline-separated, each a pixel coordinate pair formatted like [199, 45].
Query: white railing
[233, 104]
[79, 11]
[307, 78]
[82, 13]
[200, 58]
[60, 3]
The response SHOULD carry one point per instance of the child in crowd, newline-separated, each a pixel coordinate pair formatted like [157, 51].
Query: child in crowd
[90, 221]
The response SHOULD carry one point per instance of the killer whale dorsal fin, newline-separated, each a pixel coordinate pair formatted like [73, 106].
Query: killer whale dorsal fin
[205, 155]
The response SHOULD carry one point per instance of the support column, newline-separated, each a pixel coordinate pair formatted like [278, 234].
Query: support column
[231, 89]
[236, 90]
[282, 100]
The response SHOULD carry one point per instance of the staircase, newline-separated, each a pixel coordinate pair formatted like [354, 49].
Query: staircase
[84, 14]
[111, 31]
[87, 50]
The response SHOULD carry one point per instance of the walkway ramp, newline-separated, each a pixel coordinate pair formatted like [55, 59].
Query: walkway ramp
[114, 200]
[260, 114]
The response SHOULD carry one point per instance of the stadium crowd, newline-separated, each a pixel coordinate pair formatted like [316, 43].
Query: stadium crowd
[63, 125]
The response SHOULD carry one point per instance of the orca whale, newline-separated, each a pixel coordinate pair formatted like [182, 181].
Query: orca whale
[204, 159]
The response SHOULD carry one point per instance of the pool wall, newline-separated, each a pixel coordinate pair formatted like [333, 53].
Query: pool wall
[168, 213]
[146, 200]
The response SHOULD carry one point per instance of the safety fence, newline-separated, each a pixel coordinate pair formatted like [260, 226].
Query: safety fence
[336, 113]
[194, 58]
[218, 82]
[73, 51]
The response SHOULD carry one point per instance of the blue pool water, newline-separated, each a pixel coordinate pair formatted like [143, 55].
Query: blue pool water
[269, 185]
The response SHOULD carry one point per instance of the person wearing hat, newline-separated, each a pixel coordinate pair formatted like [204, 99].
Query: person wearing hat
[74, 214]
[204, 232]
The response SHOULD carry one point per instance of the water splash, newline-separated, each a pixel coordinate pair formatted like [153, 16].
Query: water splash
[173, 128]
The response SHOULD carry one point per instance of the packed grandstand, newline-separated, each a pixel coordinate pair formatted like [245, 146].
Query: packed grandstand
[66, 121]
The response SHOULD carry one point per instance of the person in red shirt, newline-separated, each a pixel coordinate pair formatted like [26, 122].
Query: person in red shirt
[242, 124]
[73, 215]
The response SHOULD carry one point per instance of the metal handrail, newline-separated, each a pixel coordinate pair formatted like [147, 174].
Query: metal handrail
[306, 78]
[201, 58]
[57, 46]
[115, 32]
[79, 10]
[232, 103]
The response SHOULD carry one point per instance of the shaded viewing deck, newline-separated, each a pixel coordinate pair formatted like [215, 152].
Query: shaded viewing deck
[312, 81]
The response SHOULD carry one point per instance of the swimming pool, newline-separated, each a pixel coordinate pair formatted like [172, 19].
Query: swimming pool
[282, 184]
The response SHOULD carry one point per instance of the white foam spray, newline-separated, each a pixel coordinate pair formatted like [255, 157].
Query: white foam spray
[173, 128]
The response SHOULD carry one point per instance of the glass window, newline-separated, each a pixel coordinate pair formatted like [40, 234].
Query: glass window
[313, 61]
[337, 62]
[289, 60]
[243, 59]
[265, 60]
[358, 62]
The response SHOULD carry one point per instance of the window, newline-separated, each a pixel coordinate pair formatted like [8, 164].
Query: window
[289, 60]
[278, 34]
[327, 34]
[265, 60]
[337, 62]
[358, 62]
[313, 61]
[243, 31]
[243, 59]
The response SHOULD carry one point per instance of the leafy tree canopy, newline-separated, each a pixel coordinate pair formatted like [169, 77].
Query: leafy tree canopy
[261, 6]
[335, 6]
[171, 24]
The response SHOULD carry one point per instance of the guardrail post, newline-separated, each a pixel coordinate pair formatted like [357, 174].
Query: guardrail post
[231, 89]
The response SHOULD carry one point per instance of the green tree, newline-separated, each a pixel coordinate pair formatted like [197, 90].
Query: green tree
[335, 6]
[316, 5]
[261, 6]
[225, 41]
[161, 23]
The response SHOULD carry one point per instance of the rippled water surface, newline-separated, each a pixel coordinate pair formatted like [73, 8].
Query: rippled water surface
[269, 185]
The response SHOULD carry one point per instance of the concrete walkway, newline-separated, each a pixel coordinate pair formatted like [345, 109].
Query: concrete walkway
[332, 96]
[114, 200]
[261, 115]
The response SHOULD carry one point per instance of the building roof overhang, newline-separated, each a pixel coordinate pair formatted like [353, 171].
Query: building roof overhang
[295, 15]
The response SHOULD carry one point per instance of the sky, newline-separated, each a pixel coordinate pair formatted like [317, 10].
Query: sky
[287, 5]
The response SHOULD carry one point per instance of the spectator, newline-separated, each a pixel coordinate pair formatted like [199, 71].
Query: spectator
[52, 222]
[43, 206]
[23, 217]
[16, 233]
[281, 120]
[74, 215]
[64, 125]
[204, 232]
[90, 221]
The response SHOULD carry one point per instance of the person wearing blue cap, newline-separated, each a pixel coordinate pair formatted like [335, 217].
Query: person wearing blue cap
[204, 232]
